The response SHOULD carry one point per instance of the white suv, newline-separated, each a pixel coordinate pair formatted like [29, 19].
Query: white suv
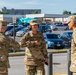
[53, 27]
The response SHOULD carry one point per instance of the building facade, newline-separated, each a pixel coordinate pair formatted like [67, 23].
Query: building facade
[21, 11]
[41, 17]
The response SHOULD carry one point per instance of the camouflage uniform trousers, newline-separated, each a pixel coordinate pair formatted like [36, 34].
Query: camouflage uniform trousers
[35, 70]
[6, 73]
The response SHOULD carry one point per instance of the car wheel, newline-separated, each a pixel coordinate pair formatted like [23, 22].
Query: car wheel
[66, 28]
[61, 47]
[55, 29]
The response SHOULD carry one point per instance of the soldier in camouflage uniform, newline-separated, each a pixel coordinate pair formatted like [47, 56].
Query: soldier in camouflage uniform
[36, 52]
[5, 44]
[72, 25]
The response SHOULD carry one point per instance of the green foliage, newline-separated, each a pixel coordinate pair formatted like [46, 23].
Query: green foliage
[1, 12]
[36, 12]
[67, 12]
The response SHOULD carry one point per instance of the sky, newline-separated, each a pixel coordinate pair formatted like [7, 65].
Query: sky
[46, 6]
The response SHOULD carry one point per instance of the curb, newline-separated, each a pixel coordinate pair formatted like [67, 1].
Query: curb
[23, 54]
[15, 54]
[60, 74]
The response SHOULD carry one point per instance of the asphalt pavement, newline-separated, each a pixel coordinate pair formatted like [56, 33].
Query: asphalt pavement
[58, 61]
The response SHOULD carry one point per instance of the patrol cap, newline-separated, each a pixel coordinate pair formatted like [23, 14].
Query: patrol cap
[72, 18]
[34, 22]
[3, 23]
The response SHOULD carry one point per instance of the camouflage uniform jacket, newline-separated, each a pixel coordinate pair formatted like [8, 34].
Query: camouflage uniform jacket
[33, 51]
[5, 44]
[73, 47]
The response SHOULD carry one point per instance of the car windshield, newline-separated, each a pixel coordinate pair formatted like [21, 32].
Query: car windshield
[70, 34]
[52, 36]
[47, 27]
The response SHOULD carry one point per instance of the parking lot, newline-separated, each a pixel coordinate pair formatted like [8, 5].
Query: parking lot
[56, 32]
[58, 64]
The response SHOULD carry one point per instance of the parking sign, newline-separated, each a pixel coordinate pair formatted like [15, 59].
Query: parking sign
[14, 19]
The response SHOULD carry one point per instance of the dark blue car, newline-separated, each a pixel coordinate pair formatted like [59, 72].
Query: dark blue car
[11, 32]
[53, 41]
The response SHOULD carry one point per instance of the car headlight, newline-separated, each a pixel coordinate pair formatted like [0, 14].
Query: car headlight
[63, 42]
[6, 33]
[50, 42]
[69, 41]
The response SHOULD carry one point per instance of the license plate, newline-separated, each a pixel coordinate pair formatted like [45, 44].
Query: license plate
[58, 44]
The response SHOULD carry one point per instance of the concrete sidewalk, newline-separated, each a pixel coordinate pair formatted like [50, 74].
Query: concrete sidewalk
[61, 74]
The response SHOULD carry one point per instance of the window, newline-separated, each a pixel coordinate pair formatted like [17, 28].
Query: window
[52, 36]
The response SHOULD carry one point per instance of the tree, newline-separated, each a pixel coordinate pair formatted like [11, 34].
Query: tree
[2, 12]
[35, 12]
[67, 12]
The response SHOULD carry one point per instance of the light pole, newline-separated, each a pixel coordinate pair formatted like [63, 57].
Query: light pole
[14, 22]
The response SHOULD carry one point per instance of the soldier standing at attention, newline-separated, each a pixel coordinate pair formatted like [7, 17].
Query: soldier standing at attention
[36, 52]
[5, 44]
[72, 26]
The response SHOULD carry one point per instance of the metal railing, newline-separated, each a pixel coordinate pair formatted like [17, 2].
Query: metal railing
[50, 69]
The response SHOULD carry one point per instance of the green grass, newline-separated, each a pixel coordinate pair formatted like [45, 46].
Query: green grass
[49, 51]
[58, 50]
[16, 53]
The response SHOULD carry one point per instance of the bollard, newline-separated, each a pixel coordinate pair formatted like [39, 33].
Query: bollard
[50, 64]
[69, 61]
[14, 31]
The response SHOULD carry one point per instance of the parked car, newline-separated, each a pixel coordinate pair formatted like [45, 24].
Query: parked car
[11, 32]
[44, 28]
[62, 27]
[66, 36]
[9, 27]
[58, 23]
[22, 32]
[53, 27]
[65, 24]
[53, 41]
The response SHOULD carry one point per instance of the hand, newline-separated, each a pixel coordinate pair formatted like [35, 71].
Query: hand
[36, 42]
[46, 61]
